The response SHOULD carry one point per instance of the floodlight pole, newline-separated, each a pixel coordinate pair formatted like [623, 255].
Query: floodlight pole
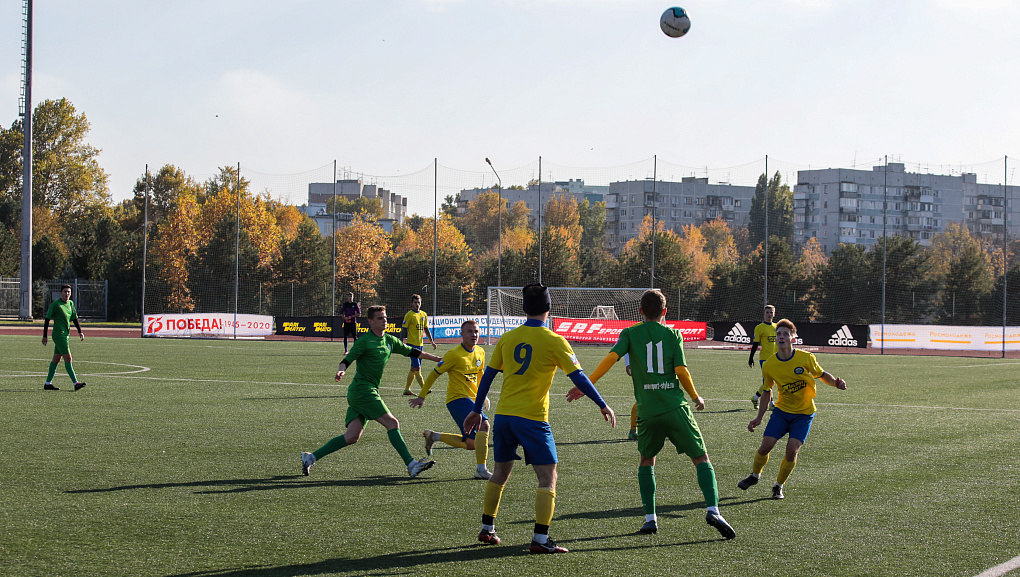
[25, 288]
[765, 289]
[885, 239]
[540, 228]
[655, 176]
[1005, 250]
[435, 234]
[499, 223]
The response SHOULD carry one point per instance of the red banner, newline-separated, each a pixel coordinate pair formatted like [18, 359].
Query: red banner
[608, 331]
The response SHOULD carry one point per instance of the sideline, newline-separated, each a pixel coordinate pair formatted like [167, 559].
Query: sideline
[1002, 569]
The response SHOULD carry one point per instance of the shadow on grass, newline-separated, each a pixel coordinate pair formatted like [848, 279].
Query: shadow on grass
[278, 482]
[409, 562]
[331, 397]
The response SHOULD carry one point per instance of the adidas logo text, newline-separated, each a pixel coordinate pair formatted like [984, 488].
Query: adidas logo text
[843, 338]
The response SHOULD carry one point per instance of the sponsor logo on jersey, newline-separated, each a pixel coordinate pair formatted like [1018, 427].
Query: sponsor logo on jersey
[799, 370]
[794, 386]
[843, 338]
[737, 335]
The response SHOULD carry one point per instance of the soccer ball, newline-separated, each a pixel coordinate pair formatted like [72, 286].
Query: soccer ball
[675, 22]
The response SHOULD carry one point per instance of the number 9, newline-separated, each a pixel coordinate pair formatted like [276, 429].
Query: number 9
[522, 354]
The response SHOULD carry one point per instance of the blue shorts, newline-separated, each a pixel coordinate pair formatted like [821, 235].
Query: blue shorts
[534, 436]
[781, 423]
[416, 362]
[459, 409]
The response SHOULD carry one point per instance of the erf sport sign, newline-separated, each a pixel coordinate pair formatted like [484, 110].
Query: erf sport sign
[608, 331]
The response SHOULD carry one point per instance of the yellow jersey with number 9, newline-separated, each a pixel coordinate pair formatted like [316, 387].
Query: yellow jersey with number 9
[529, 356]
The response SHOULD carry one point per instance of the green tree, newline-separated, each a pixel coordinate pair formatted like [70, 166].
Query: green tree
[993, 301]
[304, 273]
[360, 205]
[66, 176]
[47, 260]
[94, 245]
[449, 206]
[165, 188]
[966, 286]
[779, 199]
[843, 292]
[910, 282]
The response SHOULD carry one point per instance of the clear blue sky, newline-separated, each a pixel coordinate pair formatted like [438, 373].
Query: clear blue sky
[386, 86]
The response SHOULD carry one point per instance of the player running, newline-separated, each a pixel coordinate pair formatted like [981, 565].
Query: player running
[528, 357]
[416, 326]
[465, 364]
[371, 352]
[764, 337]
[662, 410]
[792, 373]
[62, 312]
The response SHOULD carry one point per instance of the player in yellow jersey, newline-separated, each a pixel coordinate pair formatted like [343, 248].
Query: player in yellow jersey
[528, 356]
[792, 374]
[764, 338]
[465, 364]
[416, 328]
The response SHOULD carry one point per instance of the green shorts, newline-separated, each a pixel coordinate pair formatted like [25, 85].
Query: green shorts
[678, 426]
[364, 403]
[60, 345]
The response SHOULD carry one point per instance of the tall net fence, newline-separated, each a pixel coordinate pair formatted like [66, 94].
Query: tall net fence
[882, 239]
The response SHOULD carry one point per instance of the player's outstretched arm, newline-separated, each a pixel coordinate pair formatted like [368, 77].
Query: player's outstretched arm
[832, 381]
[754, 348]
[605, 364]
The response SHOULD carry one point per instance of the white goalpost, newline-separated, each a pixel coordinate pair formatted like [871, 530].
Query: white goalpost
[504, 307]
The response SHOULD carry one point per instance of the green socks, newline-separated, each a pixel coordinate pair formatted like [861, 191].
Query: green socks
[53, 371]
[70, 372]
[333, 445]
[646, 481]
[397, 440]
[706, 480]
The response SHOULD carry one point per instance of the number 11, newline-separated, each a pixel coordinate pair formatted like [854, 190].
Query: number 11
[650, 363]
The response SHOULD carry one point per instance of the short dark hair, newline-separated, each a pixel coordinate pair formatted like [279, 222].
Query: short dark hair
[375, 309]
[653, 302]
[770, 308]
[788, 324]
[65, 286]
[416, 296]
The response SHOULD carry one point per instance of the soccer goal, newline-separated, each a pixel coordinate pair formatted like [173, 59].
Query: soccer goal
[505, 308]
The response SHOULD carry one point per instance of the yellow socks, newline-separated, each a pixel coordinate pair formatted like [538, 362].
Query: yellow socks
[493, 493]
[759, 463]
[481, 447]
[453, 440]
[785, 468]
[410, 379]
[545, 504]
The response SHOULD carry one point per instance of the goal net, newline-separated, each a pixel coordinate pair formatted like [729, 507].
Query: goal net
[505, 305]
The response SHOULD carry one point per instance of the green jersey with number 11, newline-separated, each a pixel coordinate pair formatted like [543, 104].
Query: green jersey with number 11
[655, 352]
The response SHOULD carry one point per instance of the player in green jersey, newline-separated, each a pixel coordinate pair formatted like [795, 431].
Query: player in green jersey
[62, 312]
[663, 412]
[371, 352]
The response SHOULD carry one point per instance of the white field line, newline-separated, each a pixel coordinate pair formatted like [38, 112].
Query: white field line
[628, 398]
[1002, 569]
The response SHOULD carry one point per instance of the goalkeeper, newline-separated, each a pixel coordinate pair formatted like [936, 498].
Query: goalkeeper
[662, 410]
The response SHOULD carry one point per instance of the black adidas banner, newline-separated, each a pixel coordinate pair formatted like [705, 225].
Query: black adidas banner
[808, 334]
